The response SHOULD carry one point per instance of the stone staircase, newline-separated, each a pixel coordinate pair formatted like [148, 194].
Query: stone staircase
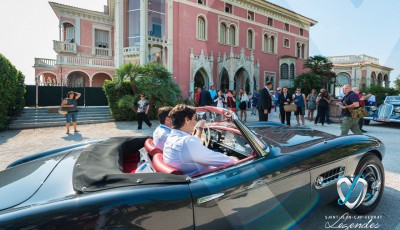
[49, 117]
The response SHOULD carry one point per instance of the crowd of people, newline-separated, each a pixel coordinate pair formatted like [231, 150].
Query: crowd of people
[179, 132]
[177, 123]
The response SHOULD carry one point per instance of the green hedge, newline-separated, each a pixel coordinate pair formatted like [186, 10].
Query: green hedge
[380, 92]
[12, 90]
[114, 95]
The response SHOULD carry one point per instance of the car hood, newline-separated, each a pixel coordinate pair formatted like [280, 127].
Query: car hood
[290, 138]
[19, 183]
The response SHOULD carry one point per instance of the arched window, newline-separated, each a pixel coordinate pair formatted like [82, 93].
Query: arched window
[298, 46]
[284, 71]
[272, 44]
[250, 39]
[292, 71]
[265, 43]
[342, 79]
[222, 33]
[303, 51]
[232, 35]
[201, 28]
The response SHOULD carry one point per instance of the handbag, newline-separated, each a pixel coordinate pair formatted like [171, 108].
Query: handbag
[290, 108]
[359, 112]
[63, 110]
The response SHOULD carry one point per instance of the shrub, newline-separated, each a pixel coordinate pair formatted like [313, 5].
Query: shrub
[11, 89]
[19, 96]
[114, 94]
[380, 92]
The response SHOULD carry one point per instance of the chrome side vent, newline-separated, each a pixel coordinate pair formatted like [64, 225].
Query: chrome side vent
[329, 177]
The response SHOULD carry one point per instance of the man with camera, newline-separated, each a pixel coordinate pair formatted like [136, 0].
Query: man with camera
[350, 101]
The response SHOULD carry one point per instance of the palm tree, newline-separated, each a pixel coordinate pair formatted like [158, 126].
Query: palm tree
[321, 66]
[129, 72]
[152, 79]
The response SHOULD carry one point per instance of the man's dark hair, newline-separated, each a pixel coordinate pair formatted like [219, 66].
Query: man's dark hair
[268, 83]
[163, 113]
[179, 113]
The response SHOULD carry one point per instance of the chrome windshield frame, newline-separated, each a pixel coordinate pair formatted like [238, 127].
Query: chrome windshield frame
[249, 135]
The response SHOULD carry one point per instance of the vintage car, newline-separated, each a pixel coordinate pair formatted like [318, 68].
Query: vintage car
[389, 111]
[283, 174]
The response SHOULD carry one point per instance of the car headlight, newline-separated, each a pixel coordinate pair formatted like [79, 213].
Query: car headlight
[397, 109]
[373, 108]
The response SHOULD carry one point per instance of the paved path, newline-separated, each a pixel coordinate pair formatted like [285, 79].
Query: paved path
[15, 144]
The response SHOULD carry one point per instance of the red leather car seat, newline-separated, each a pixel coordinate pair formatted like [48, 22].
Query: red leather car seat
[149, 146]
[160, 166]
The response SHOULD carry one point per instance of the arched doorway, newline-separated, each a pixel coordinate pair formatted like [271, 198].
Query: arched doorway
[386, 81]
[201, 79]
[341, 80]
[373, 78]
[380, 79]
[77, 79]
[224, 80]
[241, 80]
[99, 78]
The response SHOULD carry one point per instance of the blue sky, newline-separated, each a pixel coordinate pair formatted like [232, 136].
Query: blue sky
[353, 27]
[345, 27]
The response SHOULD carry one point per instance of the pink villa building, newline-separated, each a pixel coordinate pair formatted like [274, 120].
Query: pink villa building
[226, 43]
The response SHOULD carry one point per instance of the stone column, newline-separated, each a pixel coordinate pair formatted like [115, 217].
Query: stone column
[143, 31]
[170, 52]
[118, 42]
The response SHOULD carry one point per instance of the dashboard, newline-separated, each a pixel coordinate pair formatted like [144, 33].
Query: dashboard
[230, 143]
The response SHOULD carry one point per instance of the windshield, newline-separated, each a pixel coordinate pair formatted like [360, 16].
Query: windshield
[392, 99]
[223, 117]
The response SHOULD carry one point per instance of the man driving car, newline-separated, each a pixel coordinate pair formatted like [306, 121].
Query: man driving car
[184, 151]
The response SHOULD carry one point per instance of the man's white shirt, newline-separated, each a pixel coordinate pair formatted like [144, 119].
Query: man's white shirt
[186, 153]
[160, 136]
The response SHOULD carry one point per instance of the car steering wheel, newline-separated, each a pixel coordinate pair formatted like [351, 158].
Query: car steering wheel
[205, 137]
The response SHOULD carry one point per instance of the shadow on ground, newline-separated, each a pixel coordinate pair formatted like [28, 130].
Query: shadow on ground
[5, 135]
[76, 137]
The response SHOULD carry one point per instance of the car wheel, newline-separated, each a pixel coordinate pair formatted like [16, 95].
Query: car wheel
[372, 170]
[366, 122]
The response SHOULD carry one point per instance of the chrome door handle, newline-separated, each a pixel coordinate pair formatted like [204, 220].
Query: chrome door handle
[205, 199]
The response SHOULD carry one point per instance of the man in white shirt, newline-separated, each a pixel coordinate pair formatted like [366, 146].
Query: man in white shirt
[184, 151]
[161, 133]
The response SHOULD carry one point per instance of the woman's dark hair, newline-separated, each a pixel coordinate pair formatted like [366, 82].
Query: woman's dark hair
[70, 92]
[163, 113]
[179, 113]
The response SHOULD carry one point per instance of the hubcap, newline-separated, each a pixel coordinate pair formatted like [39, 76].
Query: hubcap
[373, 176]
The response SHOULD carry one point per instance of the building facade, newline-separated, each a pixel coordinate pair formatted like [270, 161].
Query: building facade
[359, 71]
[229, 44]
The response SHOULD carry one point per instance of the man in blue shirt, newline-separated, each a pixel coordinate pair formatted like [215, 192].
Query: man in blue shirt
[213, 94]
[350, 101]
[161, 133]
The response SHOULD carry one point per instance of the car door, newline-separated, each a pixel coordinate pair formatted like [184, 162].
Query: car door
[261, 192]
